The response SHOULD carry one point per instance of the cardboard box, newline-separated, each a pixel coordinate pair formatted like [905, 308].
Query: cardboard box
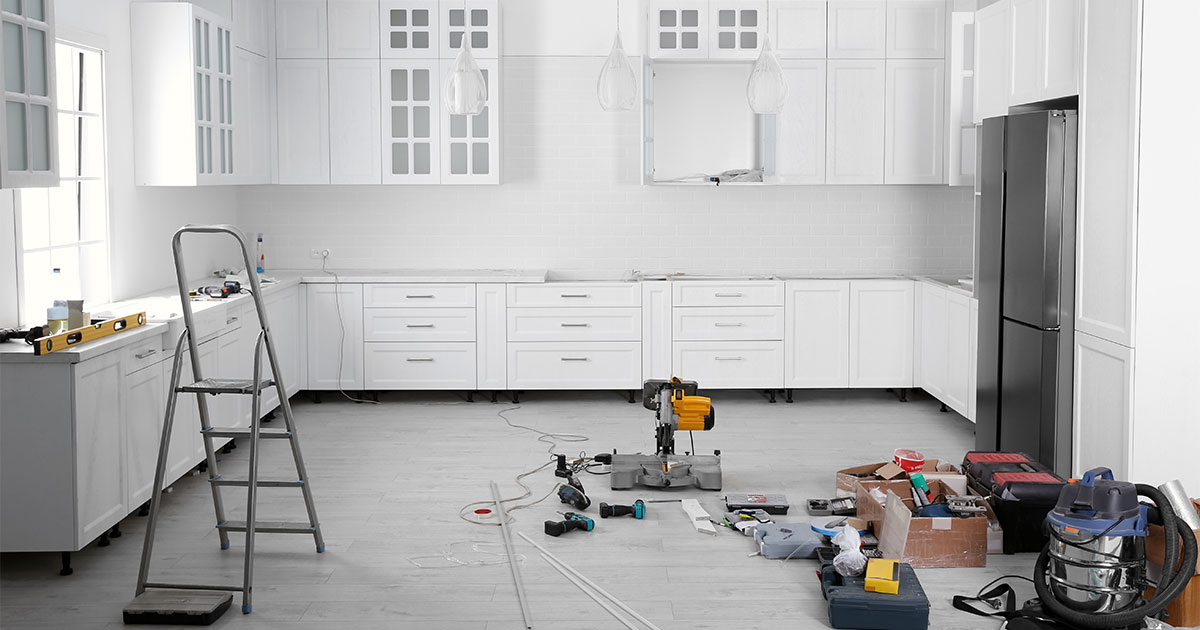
[847, 480]
[923, 542]
[1184, 612]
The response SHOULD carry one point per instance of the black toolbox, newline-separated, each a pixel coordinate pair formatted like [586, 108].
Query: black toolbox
[1021, 492]
[852, 606]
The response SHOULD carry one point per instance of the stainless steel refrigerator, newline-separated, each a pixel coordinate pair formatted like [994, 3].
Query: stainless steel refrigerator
[1025, 284]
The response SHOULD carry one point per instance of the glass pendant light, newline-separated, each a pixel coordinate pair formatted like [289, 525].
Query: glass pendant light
[617, 87]
[767, 89]
[466, 91]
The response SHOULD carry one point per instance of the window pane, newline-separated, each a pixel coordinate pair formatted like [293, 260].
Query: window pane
[64, 273]
[68, 158]
[17, 152]
[37, 62]
[66, 81]
[35, 218]
[89, 70]
[91, 147]
[14, 58]
[94, 274]
[93, 211]
[35, 283]
[64, 213]
[39, 134]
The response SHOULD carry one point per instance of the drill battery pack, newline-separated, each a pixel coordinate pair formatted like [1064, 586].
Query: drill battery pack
[852, 606]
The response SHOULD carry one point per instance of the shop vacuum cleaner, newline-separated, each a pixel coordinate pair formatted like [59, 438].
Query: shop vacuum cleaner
[1092, 573]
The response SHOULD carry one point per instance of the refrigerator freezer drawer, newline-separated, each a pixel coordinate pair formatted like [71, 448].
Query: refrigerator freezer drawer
[1035, 401]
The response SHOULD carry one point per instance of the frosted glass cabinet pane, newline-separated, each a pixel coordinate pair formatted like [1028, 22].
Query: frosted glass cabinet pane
[14, 58]
[15, 121]
[35, 10]
[37, 62]
[39, 131]
[12, 6]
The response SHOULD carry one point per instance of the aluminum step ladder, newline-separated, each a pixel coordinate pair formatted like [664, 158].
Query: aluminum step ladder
[172, 600]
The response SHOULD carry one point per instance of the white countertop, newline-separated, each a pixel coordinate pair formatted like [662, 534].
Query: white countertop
[949, 282]
[17, 351]
[398, 276]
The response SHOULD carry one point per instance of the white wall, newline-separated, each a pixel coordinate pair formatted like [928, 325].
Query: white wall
[8, 261]
[571, 201]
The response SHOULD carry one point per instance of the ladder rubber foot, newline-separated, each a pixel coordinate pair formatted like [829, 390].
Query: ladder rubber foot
[321, 549]
[246, 610]
[224, 546]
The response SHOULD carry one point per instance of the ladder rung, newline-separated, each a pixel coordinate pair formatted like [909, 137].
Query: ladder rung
[269, 527]
[262, 483]
[215, 432]
[193, 587]
[224, 386]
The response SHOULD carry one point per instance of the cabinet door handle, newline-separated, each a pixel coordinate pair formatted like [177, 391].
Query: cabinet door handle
[419, 325]
[574, 295]
[730, 295]
[148, 353]
[231, 320]
[579, 325]
[574, 358]
[419, 359]
[728, 324]
[419, 297]
[728, 358]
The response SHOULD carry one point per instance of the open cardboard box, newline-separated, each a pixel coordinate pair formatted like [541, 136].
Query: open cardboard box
[1184, 612]
[934, 470]
[923, 542]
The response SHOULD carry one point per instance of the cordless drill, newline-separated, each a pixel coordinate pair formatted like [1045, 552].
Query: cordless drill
[573, 521]
[637, 510]
[571, 492]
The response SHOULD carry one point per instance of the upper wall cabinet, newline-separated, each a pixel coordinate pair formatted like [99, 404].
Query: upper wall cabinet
[29, 120]
[856, 29]
[854, 141]
[353, 29]
[301, 29]
[960, 119]
[677, 29]
[798, 29]
[411, 123]
[799, 139]
[1026, 51]
[736, 29]
[409, 29]
[303, 119]
[470, 146]
[992, 61]
[252, 21]
[916, 29]
[476, 20]
[183, 96]
[915, 121]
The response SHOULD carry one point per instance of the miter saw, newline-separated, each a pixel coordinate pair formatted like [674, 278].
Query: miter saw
[677, 408]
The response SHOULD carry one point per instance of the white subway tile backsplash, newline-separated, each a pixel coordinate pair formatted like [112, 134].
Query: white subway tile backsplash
[571, 201]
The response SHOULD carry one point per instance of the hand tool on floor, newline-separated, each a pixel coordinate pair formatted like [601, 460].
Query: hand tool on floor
[837, 506]
[637, 510]
[677, 408]
[770, 503]
[573, 521]
[573, 496]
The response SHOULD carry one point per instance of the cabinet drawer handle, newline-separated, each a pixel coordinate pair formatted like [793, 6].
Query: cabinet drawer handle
[419, 359]
[728, 358]
[726, 325]
[574, 358]
[730, 295]
[574, 295]
[231, 320]
[148, 353]
[419, 325]
[418, 297]
[579, 325]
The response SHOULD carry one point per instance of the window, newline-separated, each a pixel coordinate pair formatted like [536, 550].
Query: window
[64, 231]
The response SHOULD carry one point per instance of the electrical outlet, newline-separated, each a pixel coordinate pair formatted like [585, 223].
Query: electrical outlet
[318, 253]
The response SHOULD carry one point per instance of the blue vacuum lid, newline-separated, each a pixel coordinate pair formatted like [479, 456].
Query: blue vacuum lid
[1099, 498]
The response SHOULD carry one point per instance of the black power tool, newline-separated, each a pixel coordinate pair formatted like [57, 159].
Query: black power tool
[574, 521]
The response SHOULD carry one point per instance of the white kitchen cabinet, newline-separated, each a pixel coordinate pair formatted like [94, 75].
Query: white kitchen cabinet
[470, 151]
[235, 359]
[286, 316]
[29, 119]
[419, 324]
[854, 113]
[491, 344]
[252, 113]
[353, 29]
[424, 366]
[385, 295]
[677, 29]
[476, 20]
[881, 333]
[957, 388]
[736, 28]
[1103, 404]
[817, 334]
[931, 358]
[412, 117]
[574, 294]
[303, 118]
[960, 119]
[144, 408]
[800, 128]
[945, 361]
[727, 323]
[916, 29]
[409, 29]
[354, 156]
[727, 293]
[183, 88]
[914, 121]
[1025, 20]
[798, 29]
[856, 29]
[656, 330]
[102, 497]
[575, 324]
[574, 365]
[335, 336]
[301, 29]
[973, 361]
[992, 60]
[1046, 46]
[730, 364]
[252, 21]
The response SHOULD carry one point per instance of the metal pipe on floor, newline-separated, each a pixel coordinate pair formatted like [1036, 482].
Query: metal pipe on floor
[633, 613]
[589, 592]
[512, 559]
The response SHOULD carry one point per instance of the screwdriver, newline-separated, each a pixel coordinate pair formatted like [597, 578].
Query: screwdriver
[574, 521]
[637, 510]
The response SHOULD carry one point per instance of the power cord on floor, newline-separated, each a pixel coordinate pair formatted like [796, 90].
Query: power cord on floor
[337, 303]
[490, 557]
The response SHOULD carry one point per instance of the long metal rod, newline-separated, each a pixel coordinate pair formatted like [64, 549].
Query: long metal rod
[252, 478]
[589, 592]
[160, 468]
[633, 613]
[512, 559]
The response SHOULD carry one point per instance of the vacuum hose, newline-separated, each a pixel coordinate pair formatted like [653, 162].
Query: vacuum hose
[1170, 586]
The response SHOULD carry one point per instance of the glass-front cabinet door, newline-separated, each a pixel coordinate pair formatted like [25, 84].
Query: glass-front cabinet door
[29, 134]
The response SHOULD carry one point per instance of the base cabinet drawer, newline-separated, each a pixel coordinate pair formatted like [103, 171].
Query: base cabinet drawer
[574, 324]
[575, 365]
[746, 293]
[419, 324]
[575, 294]
[419, 295]
[419, 365]
[729, 364]
[763, 323]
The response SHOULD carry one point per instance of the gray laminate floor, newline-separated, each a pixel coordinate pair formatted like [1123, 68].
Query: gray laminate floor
[389, 480]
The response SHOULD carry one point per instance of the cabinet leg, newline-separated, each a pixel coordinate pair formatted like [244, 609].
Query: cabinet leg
[228, 448]
[470, 397]
[631, 398]
[316, 398]
[269, 417]
[944, 408]
[902, 394]
[770, 395]
[203, 467]
[103, 542]
[516, 398]
[494, 396]
[66, 564]
[144, 510]
[375, 396]
[115, 532]
[788, 393]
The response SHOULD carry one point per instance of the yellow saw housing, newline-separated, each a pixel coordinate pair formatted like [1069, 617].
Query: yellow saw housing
[694, 413]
